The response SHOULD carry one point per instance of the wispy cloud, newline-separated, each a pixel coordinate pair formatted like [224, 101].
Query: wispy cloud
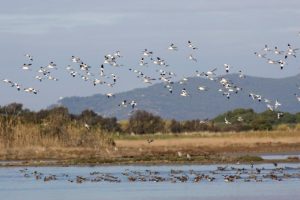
[36, 24]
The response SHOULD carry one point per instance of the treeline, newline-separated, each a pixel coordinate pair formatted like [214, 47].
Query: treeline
[239, 120]
[54, 121]
[58, 116]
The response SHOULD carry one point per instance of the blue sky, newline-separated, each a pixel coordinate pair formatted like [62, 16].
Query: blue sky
[225, 32]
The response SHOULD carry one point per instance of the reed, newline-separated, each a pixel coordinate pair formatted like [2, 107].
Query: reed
[18, 138]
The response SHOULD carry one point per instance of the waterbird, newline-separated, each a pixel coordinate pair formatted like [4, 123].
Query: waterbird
[277, 104]
[29, 57]
[142, 62]
[52, 65]
[202, 88]
[39, 78]
[184, 93]
[147, 53]
[241, 75]
[87, 126]
[191, 57]
[277, 51]
[227, 67]
[270, 107]
[226, 121]
[266, 48]
[279, 115]
[133, 104]
[173, 47]
[260, 55]
[26, 66]
[190, 45]
[240, 119]
[75, 59]
[210, 73]
[31, 90]
[108, 95]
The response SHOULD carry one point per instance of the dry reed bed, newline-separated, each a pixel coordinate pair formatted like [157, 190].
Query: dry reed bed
[26, 141]
[199, 143]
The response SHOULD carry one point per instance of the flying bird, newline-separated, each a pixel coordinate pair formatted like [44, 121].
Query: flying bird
[191, 57]
[173, 47]
[190, 45]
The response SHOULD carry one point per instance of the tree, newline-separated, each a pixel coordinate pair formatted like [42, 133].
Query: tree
[142, 122]
[175, 126]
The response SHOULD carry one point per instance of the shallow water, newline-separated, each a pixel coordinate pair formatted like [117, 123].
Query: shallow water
[14, 186]
[279, 157]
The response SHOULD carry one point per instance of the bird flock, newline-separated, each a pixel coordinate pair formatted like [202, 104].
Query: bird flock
[228, 174]
[276, 56]
[148, 59]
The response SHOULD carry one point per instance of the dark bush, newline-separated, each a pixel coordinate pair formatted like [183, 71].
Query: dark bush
[142, 122]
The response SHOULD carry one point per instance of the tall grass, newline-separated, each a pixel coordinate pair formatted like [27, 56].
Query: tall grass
[18, 136]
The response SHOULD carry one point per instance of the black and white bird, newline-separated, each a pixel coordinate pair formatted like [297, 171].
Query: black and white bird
[209, 73]
[29, 57]
[8, 81]
[270, 61]
[133, 104]
[123, 103]
[279, 115]
[30, 90]
[98, 81]
[291, 51]
[241, 75]
[102, 70]
[282, 63]
[26, 66]
[147, 53]
[109, 95]
[277, 51]
[39, 78]
[227, 68]
[75, 59]
[172, 47]
[190, 45]
[142, 62]
[114, 77]
[184, 93]
[266, 48]
[18, 86]
[52, 65]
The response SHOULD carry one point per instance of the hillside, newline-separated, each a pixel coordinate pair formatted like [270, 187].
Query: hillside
[198, 105]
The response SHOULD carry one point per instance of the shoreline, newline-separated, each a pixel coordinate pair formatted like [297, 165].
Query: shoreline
[199, 148]
[255, 159]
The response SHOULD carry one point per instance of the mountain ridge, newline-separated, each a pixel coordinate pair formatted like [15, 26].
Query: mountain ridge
[156, 99]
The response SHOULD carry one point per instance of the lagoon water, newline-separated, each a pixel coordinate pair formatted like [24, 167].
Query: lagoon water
[14, 186]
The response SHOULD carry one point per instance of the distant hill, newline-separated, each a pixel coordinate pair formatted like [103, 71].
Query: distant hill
[199, 105]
